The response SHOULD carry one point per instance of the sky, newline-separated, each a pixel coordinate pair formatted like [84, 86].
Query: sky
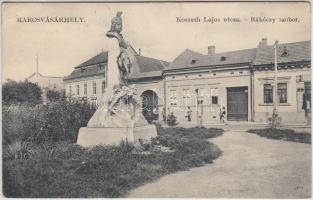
[152, 27]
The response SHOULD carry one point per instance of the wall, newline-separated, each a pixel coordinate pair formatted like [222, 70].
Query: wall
[55, 83]
[210, 84]
[292, 110]
[98, 79]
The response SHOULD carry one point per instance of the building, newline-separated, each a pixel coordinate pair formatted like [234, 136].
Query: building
[240, 81]
[46, 83]
[88, 79]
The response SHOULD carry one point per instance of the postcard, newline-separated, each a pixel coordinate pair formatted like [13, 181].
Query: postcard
[156, 99]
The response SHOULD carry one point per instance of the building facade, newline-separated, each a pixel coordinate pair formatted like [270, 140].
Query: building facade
[196, 88]
[46, 83]
[242, 82]
[88, 80]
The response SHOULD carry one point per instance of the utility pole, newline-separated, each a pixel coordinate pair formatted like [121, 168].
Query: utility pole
[196, 90]
[275, 76]
[275, 111]
[37, 68]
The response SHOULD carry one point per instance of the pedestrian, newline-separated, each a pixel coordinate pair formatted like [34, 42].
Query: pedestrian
[222, 114]
[189, 111]
[163, 115]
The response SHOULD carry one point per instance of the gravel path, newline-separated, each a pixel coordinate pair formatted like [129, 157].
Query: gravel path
[250, 167]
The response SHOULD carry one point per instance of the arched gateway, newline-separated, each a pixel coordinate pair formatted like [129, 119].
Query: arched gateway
[150, 108]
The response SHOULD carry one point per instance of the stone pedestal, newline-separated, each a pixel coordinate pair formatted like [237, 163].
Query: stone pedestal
[88, 137]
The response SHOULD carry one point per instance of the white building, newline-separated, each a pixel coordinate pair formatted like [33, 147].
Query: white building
[88, 79]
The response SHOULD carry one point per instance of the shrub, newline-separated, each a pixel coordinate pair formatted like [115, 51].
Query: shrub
[283, 134]
[56, 121]
[21, 92]
[53, 95]
[171, 120]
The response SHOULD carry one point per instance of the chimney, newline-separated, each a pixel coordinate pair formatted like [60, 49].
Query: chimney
[263, 42]
[211, 50]
[139, 51]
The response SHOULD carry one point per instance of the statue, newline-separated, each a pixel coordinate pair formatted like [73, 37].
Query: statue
[121, 105]
[123, 60]
[116, 23]
[119, 114]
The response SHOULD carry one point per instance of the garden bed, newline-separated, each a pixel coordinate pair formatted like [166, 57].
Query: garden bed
[283, 134]
[60, 169]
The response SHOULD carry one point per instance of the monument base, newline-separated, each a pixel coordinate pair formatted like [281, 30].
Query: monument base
[88, 137]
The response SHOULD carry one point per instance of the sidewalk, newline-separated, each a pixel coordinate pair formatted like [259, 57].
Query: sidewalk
[244, 126]
[250, 167]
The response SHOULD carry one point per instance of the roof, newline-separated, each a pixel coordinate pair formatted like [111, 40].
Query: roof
[90, 67]
[264, 54]
[147, 67]
[100, 58]
[295, 52]
[86, 71]
[33, 74]
[184, 59]
[190, 59]
[143, 67]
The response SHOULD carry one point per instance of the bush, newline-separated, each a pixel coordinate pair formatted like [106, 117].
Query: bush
[57, 121]
[68, 170]
[283, 134]
[171, 120]
[21, 92]
[53, 95]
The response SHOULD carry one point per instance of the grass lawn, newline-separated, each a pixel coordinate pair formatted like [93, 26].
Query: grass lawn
[68, 170]
[283, 134]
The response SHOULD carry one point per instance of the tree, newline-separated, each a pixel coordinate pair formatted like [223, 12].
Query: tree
[20, 92]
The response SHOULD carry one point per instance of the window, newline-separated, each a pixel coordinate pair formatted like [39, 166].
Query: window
[103, 86]
[200, 93]
[70, 90]
[173, 97]
[94, 88]
[268, 93]
[85, 89]
[186, 97]
[214, 96]
[77, 89]
[282, 92]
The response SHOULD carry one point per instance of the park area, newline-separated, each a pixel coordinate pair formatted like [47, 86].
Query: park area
[41, 159]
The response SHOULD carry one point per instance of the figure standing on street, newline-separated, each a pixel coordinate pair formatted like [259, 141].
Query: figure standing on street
[222, 115]
[189, 111]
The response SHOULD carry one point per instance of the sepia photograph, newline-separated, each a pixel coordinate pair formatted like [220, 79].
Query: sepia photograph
[156, 100]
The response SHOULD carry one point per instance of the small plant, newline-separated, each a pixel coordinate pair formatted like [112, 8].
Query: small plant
[44, 152]
[274, 121]
[17, 150]
[171, 120]
[125, 146]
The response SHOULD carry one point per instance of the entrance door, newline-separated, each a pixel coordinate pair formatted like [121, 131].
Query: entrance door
[237, 104]
[150, 105]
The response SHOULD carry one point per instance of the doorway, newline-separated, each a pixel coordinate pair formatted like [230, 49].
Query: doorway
[237, 104]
